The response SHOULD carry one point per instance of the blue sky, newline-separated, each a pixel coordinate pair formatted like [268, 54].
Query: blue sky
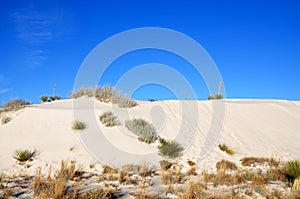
[255, 44]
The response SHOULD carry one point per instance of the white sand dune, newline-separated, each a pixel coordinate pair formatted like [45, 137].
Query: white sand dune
[262, 128]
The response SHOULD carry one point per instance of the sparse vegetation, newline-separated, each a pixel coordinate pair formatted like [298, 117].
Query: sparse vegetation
[78, 125]
[292, 170]
[145, 131]
[225, 148]
[171, 149]
[215, 97]
[106, 94]
[109, 120]
[250, 161]
[5, 119]
[24, 155]
[44, 98]
[14, 105]
[227, 165]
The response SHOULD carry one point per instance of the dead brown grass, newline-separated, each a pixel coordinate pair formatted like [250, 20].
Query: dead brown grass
[227, 165]
[249, 161]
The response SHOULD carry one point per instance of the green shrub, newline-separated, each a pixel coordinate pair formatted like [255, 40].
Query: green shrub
[23, 155]
[5, 120]
[292, 170]
[108, 119]
[210, 97]
[44, 98]
[57, 97]
[78, 125]
[143, 129]
[218, 96]
[171, 149]
[52, 98]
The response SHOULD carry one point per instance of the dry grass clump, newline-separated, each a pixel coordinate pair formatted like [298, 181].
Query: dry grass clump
[5, 119]
[213, 97]
[258, 180]
[105, 94]
[225, 148]
[275, 174]
[109, 120]
[250, 161]
[171, 149]
[24, 155]
[225, 164]
[78, 125]
[195, 190]
[69, 170]
[172, 176]
[14, 105]
[102, 193]
[143, 129]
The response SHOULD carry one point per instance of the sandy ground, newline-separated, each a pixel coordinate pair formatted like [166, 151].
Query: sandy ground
[262, 128]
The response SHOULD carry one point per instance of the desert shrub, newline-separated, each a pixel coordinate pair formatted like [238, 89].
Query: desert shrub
[23, 155]
[258, 180]
[5, 119]
[52, 98]
[225, 148]
[165, 165]
[275, 175]
[292, 170]
[145, 131]
[171, 149]
[89, 92]
[210, 97]
[78, 125]
[57, 97]
[105, 94]
[108, 119]
[248, 161]
[225, 164]
[123, 101]
[44, 98]
[69, 170]
[195, 190]
[14, 105]
[218, 96]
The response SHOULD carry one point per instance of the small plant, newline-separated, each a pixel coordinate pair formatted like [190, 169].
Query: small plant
[219, 96]
[52, 98]
[292, 170]
[210, 97]
[225, 164]
[44, 98]
[14, 105]
[109, 120]
[5, 120]
[143, 129]
[57, 97]
[78, 125]
[1, 177]
[23, 155]
[248, 161]
[225, 148]
[171, 149]
[191, 163]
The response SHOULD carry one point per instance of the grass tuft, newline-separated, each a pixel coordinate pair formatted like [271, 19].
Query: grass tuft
[171, 149]
[250, 161]
[225, 148]
[143, 129]
[78, 125]
[109, 120]
[5, 120]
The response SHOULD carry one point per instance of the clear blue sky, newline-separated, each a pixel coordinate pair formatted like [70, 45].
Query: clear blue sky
[255, 44]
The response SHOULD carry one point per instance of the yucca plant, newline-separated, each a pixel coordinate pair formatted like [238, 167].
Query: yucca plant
[78, 125]
[171, 149]
[108, 119]
[44, 98]
[292, 170]
[5, 120]
[23, 155]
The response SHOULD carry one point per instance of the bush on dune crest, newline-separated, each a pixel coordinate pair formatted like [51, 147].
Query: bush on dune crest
[78, 125]
[14, 105]
[105, 94]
